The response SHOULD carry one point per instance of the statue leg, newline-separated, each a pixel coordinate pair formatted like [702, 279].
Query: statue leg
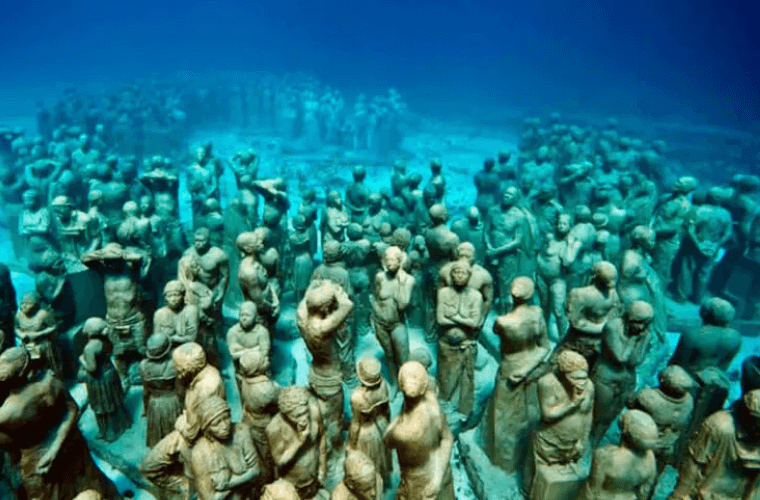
[558, 293]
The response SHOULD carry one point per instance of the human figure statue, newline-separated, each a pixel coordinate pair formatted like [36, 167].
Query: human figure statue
[134, 231]
[706, 354]
[104, 389]
[415, 266]
[505, 238]
[553, 261]
[200, 381]
[253, 277]
[480, 279]
[389, 300]
[101, 228]
[358, 257]
[357, 195]
[422, 439]
[275, 194]
[580, 242]
[566, 401]
[588, 309]
[625, 342]
[38, 421]
[321, 316]
[161, 402]
[437, 181]
[487, 185]
[8, 308]
[707, 231]
[574, 182]
[627, 470]
[34, 222]
[202, 173]
[470, 230]
[459, 313]
[377, 215]
[670, 222]
[441, 245]
[37, 330]
[258, 395]
[84, 155]
[670, 405]
[214, 266]
[247, 335]
[361, 481]
[398, 178]
[303, 259]
[513, 410]
[73, 230]
[639, 280]
[223, 461]
[371, 412]
[177, 320]
[722, 458]
[335, 219]
[296, 438]
[122, 269]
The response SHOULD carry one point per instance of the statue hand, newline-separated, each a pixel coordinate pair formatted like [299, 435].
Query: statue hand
[44, 464]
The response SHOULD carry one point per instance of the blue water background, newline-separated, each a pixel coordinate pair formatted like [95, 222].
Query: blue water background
[692, 62]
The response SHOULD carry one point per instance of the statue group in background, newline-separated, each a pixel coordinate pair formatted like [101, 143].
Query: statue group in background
[396, 298]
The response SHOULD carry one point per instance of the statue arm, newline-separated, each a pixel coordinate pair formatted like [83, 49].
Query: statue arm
[594, 487]
[444, 456]
[487, 291]
[470, 317]
[553, 410]
[440, 313]
[406, 286]
[574, 311]
[337, 317]
[191, 321]
[224, 279]
[612, 339]
[68, 422]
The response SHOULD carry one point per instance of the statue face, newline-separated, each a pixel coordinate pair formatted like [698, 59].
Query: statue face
[221, 427]
[201, 243]
[393, 261]
[459, 276]
[509, 198]
[247, 317]
[146, 205]
[367, 491]
[300, 418]
[174, 299]
[563, 224]
[62, 211]
[28, 305]
[30, 201]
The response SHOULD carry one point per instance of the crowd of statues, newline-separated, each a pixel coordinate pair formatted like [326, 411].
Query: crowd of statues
[568, 251]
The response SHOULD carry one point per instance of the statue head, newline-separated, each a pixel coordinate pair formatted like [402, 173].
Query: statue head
[393, 259]
[174, 294]
[14, 366]
[333, 199]
[146, 205]
[461, 271]
[413, 181]
[293, 404]
[129, 209]
[466, 251]
[489, 164]
[638, 316]
[422, 356]
[436, 165]
[375, 201]
[361, 476]
[188, 359]
[254, 363]
[675, 381]
[604, 275]
[438, 214]
[359, 173]
[684, 185]
[95, 198]
[280, 490]
[564, 224]
[413, 380]
[271, 216]
[643, 237]
[399, 167]
[369, 371]
[214, 416]
[202, 240]
[572, 366]
[249, 243]
[248, 315]
[503, 157]
[31, 199]
[62, 207]
[158, 346]
[509, 197]
[716, 311]
[332, 252]
[638, 430]
[401, 238]
[473, 216]
[522, 290]
[30, 303]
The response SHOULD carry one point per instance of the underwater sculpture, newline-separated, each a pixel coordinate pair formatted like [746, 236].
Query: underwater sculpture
[161, 402]
[178, 321]
[422, 439]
